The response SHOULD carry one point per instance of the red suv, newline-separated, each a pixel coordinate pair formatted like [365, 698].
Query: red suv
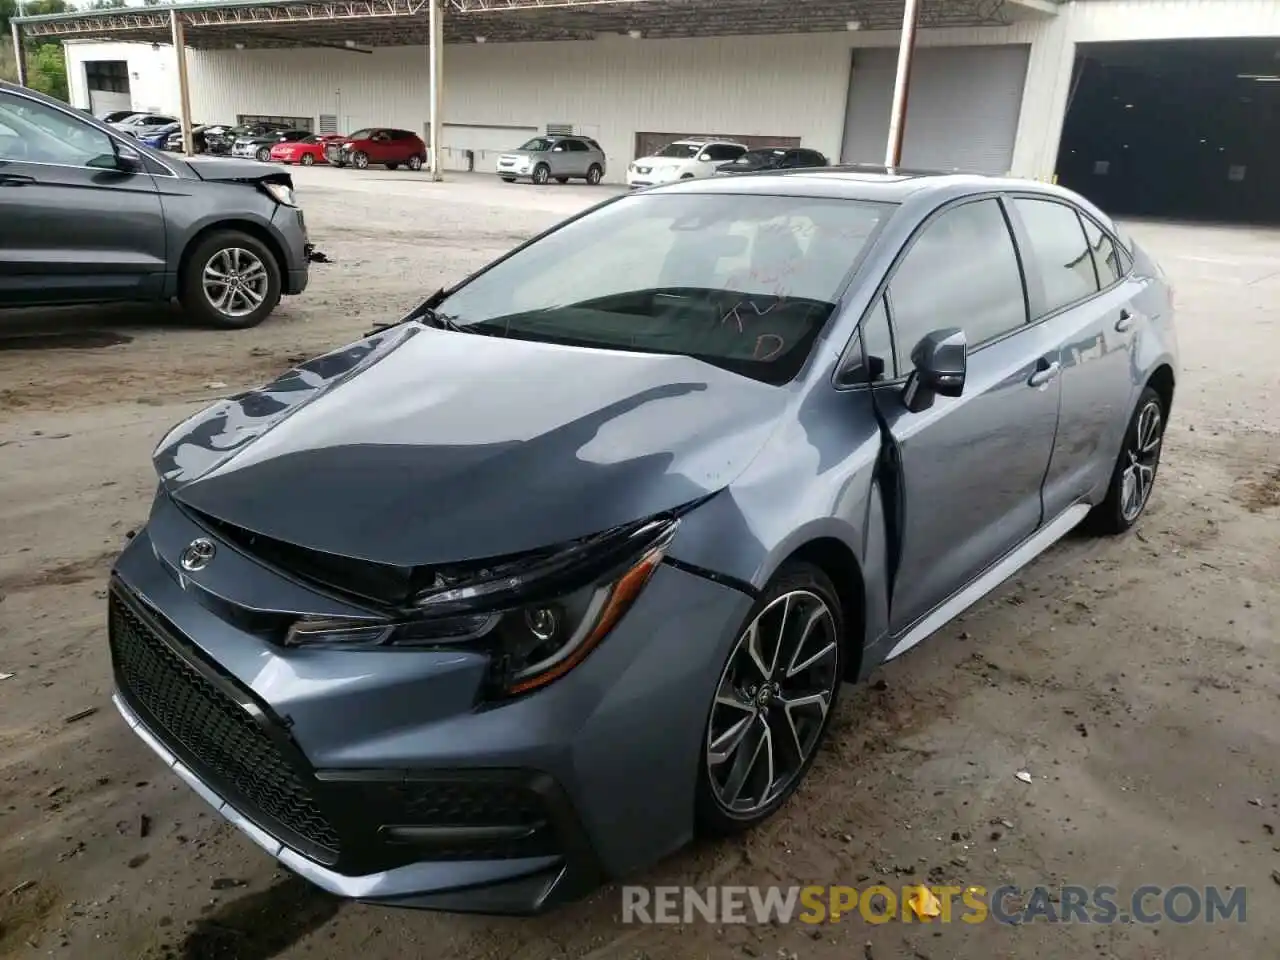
[384, 145]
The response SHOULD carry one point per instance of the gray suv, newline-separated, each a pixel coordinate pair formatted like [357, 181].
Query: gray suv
[91, 215]
[560, 158]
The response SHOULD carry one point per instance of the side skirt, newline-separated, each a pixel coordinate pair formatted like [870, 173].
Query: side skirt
[1012, 562]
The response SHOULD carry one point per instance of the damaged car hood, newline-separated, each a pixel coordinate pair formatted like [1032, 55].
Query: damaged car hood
[219, 168]
[420, 446]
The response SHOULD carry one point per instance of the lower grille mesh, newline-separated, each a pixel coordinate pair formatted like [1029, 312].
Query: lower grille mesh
[238, 758]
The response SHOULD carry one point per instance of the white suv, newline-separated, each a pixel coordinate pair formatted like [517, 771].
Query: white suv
[683, 160]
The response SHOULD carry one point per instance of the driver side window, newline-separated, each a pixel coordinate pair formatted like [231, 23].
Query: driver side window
[36, 133]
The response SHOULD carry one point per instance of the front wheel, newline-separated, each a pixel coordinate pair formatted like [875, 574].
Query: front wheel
[416, 162]
[263, 155]
[308, 159]
[774, 701]
[1134, 474]
[541, 173]
[230, 280]
[594, 175]
[360, 160]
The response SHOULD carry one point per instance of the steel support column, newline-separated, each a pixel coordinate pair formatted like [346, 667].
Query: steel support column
[184, 88]
[902, 84]
[435, 50]
[17, 53]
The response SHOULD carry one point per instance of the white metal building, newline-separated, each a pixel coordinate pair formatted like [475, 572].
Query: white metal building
[989, 96]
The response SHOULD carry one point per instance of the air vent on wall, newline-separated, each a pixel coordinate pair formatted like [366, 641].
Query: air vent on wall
[328, 123]
[560, 129]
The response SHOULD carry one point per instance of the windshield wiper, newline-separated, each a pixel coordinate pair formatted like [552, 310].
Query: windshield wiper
[423, 311]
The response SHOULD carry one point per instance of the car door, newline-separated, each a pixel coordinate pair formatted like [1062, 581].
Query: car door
[379, 147]
[1081, 291]
[576, 158]
[971, 466]
[558, 159]
[75, 224]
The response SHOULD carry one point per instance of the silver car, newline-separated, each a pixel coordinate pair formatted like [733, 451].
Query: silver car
[523, 592]
[560, 158]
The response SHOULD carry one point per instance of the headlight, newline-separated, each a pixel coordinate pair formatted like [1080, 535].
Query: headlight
[536, 618]
[281, 192]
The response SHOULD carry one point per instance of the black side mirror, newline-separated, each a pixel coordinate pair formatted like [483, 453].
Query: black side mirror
[940, 360]
[128, 160]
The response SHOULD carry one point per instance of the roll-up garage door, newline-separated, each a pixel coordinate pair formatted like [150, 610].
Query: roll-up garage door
[962, 108]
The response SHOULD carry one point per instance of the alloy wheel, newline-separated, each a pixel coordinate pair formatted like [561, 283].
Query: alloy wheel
[772, 702]
[235, 282]
[593, 176]
[361, 160]
[415, 163]
[264, 154]
[541, 174]
[1143, 454]
[308, 159]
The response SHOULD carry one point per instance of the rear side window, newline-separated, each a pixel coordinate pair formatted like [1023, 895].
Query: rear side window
[1106, 258]
[1059, 249]
[962, 271]
[723, 151]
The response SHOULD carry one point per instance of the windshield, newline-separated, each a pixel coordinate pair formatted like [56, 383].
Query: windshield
[743, 282]
[536, 145]
[679, 150]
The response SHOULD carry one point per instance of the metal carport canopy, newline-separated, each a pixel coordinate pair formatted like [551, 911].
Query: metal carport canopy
[355, 24]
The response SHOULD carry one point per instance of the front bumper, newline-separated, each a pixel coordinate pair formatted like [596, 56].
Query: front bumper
[385, 775]
[291, 225]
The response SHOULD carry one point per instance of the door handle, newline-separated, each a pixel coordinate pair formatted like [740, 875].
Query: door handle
[1046, 374]
[15, 180]
[1125, 321]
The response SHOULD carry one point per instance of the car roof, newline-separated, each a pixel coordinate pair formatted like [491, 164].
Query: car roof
[859, 182]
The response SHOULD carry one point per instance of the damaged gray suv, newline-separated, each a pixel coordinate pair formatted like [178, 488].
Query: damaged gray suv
[90, 215]
[520, 593]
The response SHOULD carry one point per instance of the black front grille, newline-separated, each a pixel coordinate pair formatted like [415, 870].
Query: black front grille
[219, 738]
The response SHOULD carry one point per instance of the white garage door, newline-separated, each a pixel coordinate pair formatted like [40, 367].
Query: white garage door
[962, 107]
[483, 142]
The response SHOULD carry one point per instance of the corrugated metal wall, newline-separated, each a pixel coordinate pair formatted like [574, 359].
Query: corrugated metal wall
[615, 87]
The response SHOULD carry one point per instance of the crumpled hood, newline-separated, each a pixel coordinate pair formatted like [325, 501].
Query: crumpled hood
[224, 168]
[421, 446]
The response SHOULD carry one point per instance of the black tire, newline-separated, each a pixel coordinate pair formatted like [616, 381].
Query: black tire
[263, 155]
[562, 179]
[308, 159]
[541, 174]
[798, 579]
[416, 162]
[360, 160]
[595, 174]
[1116, 514]
[393, 166]
[508, 179]
[196, 300]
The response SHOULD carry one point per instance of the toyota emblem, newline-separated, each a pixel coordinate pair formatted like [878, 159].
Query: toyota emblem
[198, 554]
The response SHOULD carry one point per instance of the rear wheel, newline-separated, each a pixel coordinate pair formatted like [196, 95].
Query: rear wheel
[308, 159]
[774, 702]
[230, 280]
[416, 162]
[360, 160]
[594, 175]
[541, 173]
[1134, 474]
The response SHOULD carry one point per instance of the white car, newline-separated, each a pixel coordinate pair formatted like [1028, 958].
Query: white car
[683, 160]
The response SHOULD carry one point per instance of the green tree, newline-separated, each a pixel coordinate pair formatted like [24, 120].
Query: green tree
[8, 10]
[49, 71]
[38, 8]
[105, 4]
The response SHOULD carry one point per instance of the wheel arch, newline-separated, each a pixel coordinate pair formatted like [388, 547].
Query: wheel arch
[835, 558]
[1162, 381]
[249, 227]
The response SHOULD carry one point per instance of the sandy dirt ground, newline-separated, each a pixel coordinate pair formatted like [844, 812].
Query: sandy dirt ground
[1135, 679]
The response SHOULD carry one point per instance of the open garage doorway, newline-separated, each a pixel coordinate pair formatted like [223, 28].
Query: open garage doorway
[1184, 129]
